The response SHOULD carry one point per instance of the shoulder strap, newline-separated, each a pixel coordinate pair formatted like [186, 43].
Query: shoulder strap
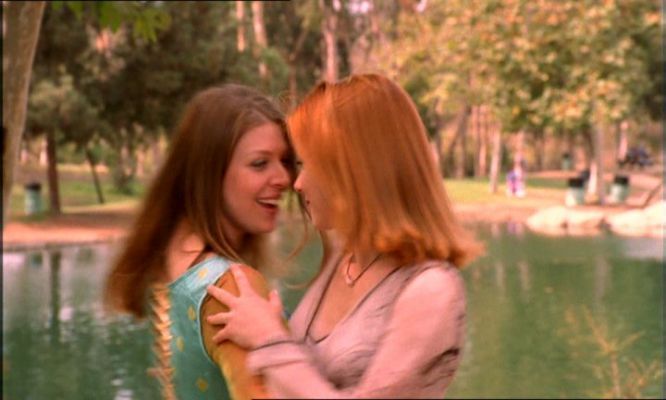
[206, 249]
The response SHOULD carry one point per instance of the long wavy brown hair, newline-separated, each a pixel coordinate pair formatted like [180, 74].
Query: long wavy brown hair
[189, 186]
[364, 141]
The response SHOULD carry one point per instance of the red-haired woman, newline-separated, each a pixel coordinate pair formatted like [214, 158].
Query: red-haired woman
[211, 204]
[385, 315]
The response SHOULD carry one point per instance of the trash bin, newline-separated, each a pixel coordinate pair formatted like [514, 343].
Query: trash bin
[620, 189]
[33, 198]
[575, 195]
[566, 162]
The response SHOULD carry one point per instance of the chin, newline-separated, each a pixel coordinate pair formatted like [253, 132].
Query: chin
[319, 223]
[265, 228]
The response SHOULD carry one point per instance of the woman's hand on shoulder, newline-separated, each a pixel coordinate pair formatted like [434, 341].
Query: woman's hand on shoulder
[251, 320]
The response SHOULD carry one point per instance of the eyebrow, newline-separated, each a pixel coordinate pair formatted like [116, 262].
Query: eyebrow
[264, 152]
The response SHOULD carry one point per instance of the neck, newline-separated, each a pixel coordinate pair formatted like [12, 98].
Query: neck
[184, 247]
[185, 239]
[363, 257]
[234, 235]
[363, 261]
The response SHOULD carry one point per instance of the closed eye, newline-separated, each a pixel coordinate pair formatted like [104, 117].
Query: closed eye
[258, 164]
[287, 162]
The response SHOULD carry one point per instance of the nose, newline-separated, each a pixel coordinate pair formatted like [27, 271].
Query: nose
[281, 177]
[298, 185]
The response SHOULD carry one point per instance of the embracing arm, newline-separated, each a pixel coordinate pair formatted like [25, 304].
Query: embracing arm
[428, 312]
[229, 356]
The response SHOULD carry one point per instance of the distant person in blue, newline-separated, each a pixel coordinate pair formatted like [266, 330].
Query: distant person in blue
[515, 179]
[212, 204]
[636, 156]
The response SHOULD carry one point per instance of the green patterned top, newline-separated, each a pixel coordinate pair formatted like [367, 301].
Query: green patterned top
[183, 366]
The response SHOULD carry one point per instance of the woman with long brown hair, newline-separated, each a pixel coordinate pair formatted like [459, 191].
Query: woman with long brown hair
[385, 315]
[211, 204]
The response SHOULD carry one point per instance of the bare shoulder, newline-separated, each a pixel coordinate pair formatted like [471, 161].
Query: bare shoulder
[228, 283]
[252, 274]
[254, 277]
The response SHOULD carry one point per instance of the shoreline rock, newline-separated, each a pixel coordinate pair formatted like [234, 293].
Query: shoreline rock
[623, 221]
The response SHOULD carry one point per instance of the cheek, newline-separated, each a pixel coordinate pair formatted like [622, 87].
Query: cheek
[242, 180]
[322, 211]
[238, 191]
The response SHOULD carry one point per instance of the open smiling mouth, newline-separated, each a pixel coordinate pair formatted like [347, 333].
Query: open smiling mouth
[270, 204]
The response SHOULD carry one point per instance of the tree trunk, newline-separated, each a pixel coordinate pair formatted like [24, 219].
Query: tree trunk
[291, 59]
[98, 187]
[140, 161]
[481, 151]
[570, 148]
[461, 170]
[483, 155]
[330, 56]
[438, 145]
[588, 153]
[293, 87]
[476, 130]
[519, 150]
[622, 140]
[598, 170]
[461, 128]
[124, 170]
[241, 41]
[23, 21]
[260, 36]
[42, 153]
[157, 153]
[495, 158]
[539, 151]
[25, 153]
[52, 174]
[588, 148]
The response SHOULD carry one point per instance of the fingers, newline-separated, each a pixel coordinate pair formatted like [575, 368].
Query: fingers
[219, 318]
[221, 336]
[221, 295]
[241, 280]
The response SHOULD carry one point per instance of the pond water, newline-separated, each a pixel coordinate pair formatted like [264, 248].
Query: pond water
[543, 313]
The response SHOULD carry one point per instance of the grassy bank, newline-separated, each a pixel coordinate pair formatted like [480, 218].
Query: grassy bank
[78, 192]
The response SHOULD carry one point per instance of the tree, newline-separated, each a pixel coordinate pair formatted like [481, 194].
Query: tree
[58, 110]
[298, 25]
[23, 27]
[540, 68]
[329, 28]
[260, 40]
[23, 21]
[240, 28]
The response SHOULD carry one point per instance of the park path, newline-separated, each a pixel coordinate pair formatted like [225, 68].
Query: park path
[72, 228]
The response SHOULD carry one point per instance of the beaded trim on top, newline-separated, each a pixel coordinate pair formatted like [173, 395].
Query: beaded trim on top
[163, 370]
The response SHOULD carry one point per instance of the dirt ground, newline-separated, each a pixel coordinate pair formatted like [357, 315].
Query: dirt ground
[67, 229]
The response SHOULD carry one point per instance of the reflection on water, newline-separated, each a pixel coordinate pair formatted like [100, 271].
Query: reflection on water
[528, 333]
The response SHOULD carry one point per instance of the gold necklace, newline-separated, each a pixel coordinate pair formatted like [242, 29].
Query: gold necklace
[352, 281]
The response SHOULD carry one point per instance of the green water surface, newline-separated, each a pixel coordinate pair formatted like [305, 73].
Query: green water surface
[534, 305]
